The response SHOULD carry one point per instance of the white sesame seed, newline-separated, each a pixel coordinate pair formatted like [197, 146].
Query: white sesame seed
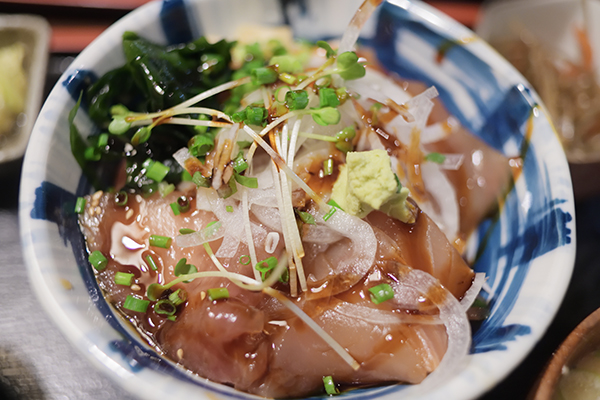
[129, 214]
[180, 353]
[136, 287]
[97, 195]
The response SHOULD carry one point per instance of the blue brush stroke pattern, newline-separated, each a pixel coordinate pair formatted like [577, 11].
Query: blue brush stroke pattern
[175, 22]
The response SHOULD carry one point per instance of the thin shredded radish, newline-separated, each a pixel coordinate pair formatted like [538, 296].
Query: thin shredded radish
[471, 294]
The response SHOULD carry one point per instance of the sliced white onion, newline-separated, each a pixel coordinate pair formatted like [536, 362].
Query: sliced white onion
[471, 294]
[374, 316]
[320, 234]
[444, 208]
[271, 242]
[199, 238]
[457, 327]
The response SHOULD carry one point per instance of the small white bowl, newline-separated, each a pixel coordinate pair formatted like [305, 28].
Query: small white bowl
[527, 252]
[34, 32]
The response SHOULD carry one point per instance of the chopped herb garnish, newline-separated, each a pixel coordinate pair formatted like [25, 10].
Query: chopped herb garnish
[244, 144]
[244, 259]
[186, 231]
[381, 293]
[217, 293]
[265, 267]
[135, 304]
[264, 75]
[160, 241]
[250, 182]
[201, 145]
[97, 260]
[329, 51]
[183, 203]
[165, 189]
[229, 208]
[121, 198]
[296, 99]
[157, 171]
[326, 116]
[178, 297]
[328, 98]
[175, 208]
[200, 180]
[435, 158]
[239, 163]
[165, 307]
[330, 387]
[80, 205]
[151, 262]
[251, 115]
[306, 217]
[123, 278]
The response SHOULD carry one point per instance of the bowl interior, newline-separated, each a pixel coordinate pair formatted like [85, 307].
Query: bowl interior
[526, 249]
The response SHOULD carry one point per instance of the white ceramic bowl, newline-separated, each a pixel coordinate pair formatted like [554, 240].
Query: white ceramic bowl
[527, 252]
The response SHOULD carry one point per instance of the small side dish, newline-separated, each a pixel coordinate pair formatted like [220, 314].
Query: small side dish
[24, 41]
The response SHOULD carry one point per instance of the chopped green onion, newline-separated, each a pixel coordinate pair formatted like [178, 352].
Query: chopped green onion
[165, 307]
[157, 171]
[244, 259]
[97, 260]
[183, 268]
[172, 317]
[263, 75]
[123, 278]
[326, 116]
[334, 204]
[328, 98]
[265, 267]
[330, 387]
[201, 130]
[186, 231]
[334, 207]
[251, 115]
[121, 198]
[229, 208]
[286, 63]
[151, 262]
[183, 203]
[217, 293]
[178, 297]
[80, 205]
[344, 146]
[240, 164]
[147, 163]
[200, 180]
[160, 241]
[287, 78]
[436, 158]
[398, 183]
[296, 99]
[165, 189]
[135, 304]
[306, 217]
[347, 133]
[342, 94]
[328, 167]
[186, 176]
[175, 208]
[201, 145]
[246, 181]
[381, 293]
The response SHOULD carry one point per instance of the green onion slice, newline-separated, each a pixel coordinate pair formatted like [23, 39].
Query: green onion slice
[121, 198]
[135, 304]
[435, 158]
[80, 205]
[151, 262]
[381, 293]
[330, 387]
[123, 278]
[160, 241]
[244, 259]
[165, 307]
[157, 171]
[97, 259]
[175, 208]
[217, 293]
[178, 297]
[306, 217]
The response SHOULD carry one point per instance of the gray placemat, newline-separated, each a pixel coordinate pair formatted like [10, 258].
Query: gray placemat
[36, 361]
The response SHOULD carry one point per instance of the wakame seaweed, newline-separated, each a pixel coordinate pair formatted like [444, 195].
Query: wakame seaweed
[153, 78]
